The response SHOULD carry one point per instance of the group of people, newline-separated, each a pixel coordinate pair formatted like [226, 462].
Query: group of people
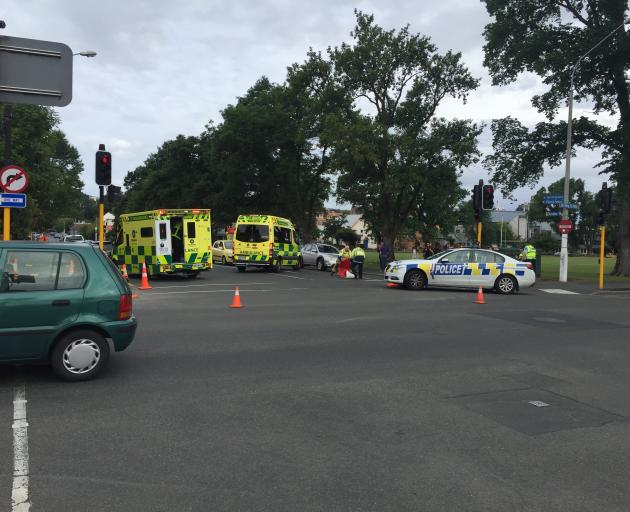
[350, 262]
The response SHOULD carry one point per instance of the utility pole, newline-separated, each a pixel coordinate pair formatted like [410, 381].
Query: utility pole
[6, 126]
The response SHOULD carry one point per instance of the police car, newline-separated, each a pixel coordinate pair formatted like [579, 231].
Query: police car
[466, 267]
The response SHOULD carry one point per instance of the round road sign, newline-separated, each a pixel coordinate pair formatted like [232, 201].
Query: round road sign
[13, 179]
[565, 226]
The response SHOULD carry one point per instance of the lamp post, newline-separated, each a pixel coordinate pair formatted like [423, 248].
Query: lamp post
[564, 252]
[85, 53]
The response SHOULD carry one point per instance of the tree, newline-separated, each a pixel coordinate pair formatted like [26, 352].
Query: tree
[399, 160]
[547, 38]
[53, 165]
[332, 226]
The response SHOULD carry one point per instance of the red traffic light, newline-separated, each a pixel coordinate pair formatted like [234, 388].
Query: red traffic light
[105, 159]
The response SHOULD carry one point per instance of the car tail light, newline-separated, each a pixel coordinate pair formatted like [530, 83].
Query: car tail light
[125, 307]
[530, 266]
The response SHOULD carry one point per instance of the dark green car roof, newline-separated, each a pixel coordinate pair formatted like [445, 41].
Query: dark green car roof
[27, 244]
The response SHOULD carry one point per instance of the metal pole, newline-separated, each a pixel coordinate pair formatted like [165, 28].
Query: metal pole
[101, 213]
[501, 237]
[479, 233]
[8, 117]
[602, 241]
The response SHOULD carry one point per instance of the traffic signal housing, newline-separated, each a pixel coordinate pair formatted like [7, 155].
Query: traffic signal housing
[605, 199]
[476, 197]
[487, 199]
[103, 168]
[113, 194]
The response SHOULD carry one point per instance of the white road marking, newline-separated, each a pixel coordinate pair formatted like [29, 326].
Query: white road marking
[203, 284]
[558, 290]
[538, 403]
[231, 290]
[19, 494]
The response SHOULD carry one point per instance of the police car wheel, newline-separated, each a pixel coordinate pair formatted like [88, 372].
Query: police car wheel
[415, 280]
[505, 284]
[321, 265]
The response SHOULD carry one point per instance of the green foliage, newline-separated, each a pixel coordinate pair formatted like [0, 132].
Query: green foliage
[332, 226]
[548, 38]
[400, 161]
[53, 165]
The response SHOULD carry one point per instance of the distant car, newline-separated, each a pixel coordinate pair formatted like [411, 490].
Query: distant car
[466, 268]
[322, 256]
[73, 238]
[223, 251]
[65, 301]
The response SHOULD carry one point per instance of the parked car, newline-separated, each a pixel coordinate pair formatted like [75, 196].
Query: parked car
[223, 251]
[62, 303]
[73, 238]
[323, 256]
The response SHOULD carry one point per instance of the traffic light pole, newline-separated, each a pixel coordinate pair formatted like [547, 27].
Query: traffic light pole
[602, 241]
[101, 214]
[479, 226]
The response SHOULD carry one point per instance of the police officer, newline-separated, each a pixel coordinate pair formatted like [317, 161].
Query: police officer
[358, 258]
[529, 254]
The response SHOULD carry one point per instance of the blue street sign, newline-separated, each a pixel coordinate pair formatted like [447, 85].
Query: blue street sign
[13, 200]
[554, 214]
[552, 199]
[569, 206]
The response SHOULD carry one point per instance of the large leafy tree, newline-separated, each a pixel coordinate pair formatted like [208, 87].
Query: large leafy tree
[397, 159]
[547, 38]
[53, 165]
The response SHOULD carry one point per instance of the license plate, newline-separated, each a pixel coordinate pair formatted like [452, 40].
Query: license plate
[242, 257]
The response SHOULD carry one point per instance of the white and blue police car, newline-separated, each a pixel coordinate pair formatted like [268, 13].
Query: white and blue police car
[466, 268]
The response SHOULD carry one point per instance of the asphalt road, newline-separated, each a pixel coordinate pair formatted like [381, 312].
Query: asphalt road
[338, 395]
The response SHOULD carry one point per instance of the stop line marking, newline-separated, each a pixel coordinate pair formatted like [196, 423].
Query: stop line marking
[19, 493]
[559, 291]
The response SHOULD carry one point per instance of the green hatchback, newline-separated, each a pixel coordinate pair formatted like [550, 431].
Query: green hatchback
[62, 303]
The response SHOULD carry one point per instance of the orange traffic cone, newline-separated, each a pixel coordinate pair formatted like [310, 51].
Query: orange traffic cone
[236, 301]
[144, 285]
[71, 267]
[392, 285]
[480, 299]
[123, 269]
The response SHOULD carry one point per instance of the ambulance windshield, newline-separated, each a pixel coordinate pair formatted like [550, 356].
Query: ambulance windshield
[252, 233]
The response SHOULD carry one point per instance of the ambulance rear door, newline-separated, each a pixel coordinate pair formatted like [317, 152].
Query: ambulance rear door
[163, 238]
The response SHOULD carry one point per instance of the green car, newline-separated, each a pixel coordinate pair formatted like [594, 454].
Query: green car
[62, 303]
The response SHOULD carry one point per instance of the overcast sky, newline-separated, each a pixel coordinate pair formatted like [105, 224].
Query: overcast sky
[166, 68]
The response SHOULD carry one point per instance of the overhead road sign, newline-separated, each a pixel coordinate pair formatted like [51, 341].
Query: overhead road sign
[35, 72]
[13, 200]
[13, 179]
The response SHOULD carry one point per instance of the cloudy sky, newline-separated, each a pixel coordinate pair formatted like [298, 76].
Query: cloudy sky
[166, 68]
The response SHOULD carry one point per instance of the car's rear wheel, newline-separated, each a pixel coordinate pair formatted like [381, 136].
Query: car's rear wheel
[415, 280]
[320, 264]
[505, 284]
[79, 355]
[240, 268]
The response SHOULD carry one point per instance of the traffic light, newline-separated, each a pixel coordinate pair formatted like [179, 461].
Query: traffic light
[476, 197]
[605, 198]
[487, 200]
[103, 166]
[113, 194]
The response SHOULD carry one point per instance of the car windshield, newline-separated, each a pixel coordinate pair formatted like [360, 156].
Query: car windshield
[328, 249]
[437, 255]
[227, 245]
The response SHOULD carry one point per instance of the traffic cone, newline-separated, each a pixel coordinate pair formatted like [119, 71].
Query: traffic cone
[71, 267]
[480, 299]
[392, 285]
[236, 301]
[144, 285]
[124, 272]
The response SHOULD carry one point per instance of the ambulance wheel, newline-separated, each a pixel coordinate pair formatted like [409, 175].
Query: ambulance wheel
[277, 266]
[79, 355]
[415, 280]
[300, 264]
[223, 260]
[320, 264]
[505, 284]
[240, 268]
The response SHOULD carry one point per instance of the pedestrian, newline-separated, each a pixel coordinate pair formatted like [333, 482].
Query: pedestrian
[428, 251]
[529, 254]
[416, 249]
[357, 257]
[384, 255]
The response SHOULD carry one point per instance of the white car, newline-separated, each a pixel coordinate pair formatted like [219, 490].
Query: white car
[323, 256]
[466, 268]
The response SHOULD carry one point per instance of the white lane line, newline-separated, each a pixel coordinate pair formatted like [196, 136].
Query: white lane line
[558, 290]
[292, 277]
[19, 494]
[231, 290]
[204, 284]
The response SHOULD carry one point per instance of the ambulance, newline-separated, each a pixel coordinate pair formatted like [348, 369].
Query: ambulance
[168, 241]
[265, 241]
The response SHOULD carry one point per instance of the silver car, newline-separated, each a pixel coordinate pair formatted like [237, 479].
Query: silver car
[323, 256]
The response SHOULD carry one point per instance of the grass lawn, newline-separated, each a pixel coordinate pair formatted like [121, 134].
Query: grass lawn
[581, 268]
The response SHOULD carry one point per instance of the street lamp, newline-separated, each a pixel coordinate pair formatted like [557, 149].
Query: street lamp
[564, 253]
[86, 53]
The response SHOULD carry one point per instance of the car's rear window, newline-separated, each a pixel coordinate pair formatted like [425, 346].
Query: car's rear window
[252, 233]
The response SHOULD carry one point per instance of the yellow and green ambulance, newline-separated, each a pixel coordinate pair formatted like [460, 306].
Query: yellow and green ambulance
[265, 241]
[168, 241]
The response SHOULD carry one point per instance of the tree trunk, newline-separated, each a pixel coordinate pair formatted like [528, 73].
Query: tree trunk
[622, 265]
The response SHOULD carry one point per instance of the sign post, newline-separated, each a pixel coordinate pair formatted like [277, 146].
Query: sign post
[602, 241]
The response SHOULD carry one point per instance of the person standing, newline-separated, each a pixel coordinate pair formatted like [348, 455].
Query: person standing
[529, 254]
[416, 249]
[384, 255]
[357, 256]
[428, 250]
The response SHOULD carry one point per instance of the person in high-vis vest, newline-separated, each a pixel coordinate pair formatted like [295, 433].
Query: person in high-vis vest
[357, 256]
[529, 254]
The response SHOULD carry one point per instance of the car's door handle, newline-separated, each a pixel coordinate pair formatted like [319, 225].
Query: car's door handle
[61, 302]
